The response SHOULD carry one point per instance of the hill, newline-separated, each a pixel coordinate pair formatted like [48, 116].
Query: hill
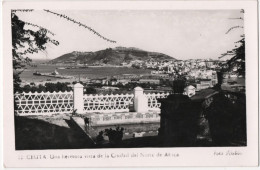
[112, 56]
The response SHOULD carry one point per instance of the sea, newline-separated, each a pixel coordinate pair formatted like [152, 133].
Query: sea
[90, 72]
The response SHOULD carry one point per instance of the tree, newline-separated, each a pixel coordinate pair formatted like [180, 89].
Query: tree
[238, 59]
[29, 41]
[24, 42]
[238, 53]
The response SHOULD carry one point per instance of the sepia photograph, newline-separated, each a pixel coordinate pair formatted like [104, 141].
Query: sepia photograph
[80, 89]
[128, 78]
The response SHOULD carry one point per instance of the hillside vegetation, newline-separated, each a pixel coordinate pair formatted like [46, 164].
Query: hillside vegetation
[115, 56]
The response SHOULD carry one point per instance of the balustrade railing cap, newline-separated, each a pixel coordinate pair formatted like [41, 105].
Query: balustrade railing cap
[138, 89]
[78, 85]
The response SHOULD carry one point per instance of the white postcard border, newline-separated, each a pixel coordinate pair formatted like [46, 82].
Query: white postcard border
[200, 156]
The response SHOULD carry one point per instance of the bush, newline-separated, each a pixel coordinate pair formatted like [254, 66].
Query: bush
[51, 87]
[90, 90]
[115, 136]
[100, 137]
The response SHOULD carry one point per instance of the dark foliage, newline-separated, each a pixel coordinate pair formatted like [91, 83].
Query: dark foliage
[183, 120]
[238, 53]
[115, 135]
[238, 59]
[227, 119]
[51, 87]
[29, 41]
[100, 137]
[25, 41]
[90, 90]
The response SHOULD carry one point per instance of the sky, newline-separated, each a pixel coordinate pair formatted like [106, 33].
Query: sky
[182, 34]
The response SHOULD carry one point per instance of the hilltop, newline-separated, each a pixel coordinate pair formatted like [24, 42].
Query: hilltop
[112, 56]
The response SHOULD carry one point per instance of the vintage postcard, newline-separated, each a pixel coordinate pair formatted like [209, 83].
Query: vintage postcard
[130, 84]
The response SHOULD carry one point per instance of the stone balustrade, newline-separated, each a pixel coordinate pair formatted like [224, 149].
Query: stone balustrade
[66, 102]
[43, 103]
[107, 103]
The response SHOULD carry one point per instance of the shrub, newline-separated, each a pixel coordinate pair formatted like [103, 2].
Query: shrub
[114, 136]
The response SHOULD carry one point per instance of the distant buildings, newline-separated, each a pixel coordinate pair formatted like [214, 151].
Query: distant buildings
[204, 84]
[123, 81]
[151, 81]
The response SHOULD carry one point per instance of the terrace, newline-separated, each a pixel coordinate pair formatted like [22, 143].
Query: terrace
[47, 115]
[119, 107]
[54, 112]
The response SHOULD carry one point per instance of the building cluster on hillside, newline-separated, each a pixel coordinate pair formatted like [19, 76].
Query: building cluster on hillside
[201, 72]
[183, 66]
